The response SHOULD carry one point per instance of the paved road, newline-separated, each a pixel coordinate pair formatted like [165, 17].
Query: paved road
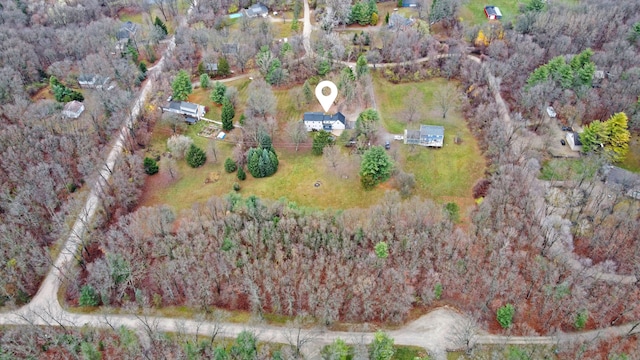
[435, 331]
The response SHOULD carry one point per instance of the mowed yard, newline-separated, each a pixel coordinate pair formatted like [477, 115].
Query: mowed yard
[444, 175]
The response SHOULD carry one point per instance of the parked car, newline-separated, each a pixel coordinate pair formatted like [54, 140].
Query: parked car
[398, 137]
[387, 145]
[567, 128]
[562, 142]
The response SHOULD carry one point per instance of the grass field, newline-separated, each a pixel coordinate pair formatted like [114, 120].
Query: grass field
[441, 174]
[632, 161]
[472, 12]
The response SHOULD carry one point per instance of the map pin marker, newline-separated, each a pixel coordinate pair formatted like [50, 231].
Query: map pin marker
[326, 100]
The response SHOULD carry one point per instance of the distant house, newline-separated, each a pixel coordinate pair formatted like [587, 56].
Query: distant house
[127, 31]
[92, 81]
[230, 48]
[399, 22]
[73, 109]
[409, 3]
[315, 121]
[256, 10]
[428, 135]
[573, 139]
[492, 12]
[211, 67]
[193, 112]
[627, 180]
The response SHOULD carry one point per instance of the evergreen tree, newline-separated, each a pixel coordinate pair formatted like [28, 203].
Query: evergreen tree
[375, 168]
[241, 174]
[218, 92]
[181, 86]
[307, 92]
[362, 68]
[204, 81]
[223, 66]
[157, 22]
[150, 166]
[253, 159]
[230, 165]
[196, 157]
[321, 140]
[227, 115]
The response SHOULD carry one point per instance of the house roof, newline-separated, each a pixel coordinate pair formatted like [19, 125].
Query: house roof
[73, 106]
[493, 10]
[187, 106]
[576, 139]
[551, 112]
[211, 66]
[257, 10]
[431, 130]
[397, 21]
[175, 105]
[318, 116]
[126, 30]
[86, 78]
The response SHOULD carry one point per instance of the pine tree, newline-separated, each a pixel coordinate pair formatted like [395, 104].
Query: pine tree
[218, 92]
[181, 86]
[241, 174]
[227, 115]
[307, 92]
[157, 22]
[196, 157]
[223, 66]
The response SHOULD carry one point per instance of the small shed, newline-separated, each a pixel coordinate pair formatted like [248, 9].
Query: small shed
[551, 112]
[221, 135]
[492, 12]
[211, 67]
[573, 139]
[73, 109]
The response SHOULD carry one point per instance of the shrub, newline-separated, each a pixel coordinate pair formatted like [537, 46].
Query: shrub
[88, 296]
[437, 291]
[179, 145]
[236, 186]
[581, 320]
[505, 315]
[241, 174]
[150, 166]
[382, 250]
[230, 165]
[452, 210]
[204, 81]
[196, 157]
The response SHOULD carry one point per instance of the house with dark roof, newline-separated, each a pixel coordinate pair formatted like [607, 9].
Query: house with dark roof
[492, 12]
[428, 135]
[190, 110]
[127, 31]
[211, 67]
[573, 139]
[399, 22]
[256, 10]
[73, 109]
[316, 121]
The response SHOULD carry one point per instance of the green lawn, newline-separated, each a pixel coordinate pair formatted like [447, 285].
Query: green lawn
[444, 174]
[568, 169]
[632, 161]
[472, 12]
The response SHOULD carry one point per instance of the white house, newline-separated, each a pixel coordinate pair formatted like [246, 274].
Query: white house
[73, 109]
[573, 139]
[316, 121]
[190, 110]
[428, 135]
[92, 81]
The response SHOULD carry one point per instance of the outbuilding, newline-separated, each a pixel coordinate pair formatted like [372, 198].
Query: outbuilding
[492, 12]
